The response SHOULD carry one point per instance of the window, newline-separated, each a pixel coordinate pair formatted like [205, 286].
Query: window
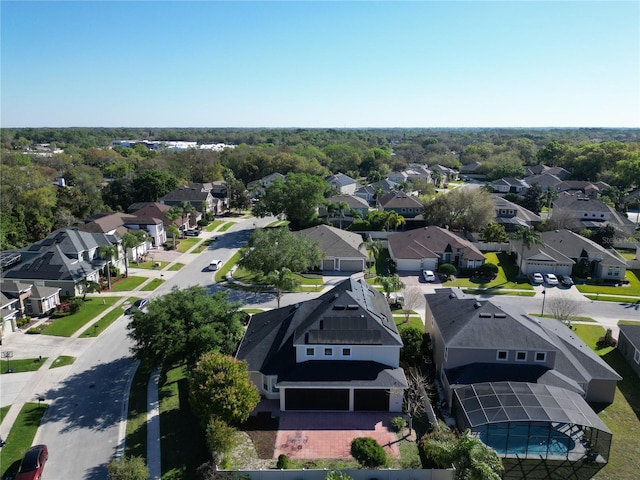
[328, 352]
[541, 356]
[521, 356]
[310, 352]
[346, 352]
[274, 389]
[636, 357]
[502, 355]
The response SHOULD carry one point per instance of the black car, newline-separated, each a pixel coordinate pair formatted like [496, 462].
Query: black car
[565, 280]
[137, 305]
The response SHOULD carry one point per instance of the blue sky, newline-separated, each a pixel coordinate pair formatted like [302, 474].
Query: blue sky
[320, 64]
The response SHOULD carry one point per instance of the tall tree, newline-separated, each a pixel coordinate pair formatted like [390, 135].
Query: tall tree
[132, 239]
[108, 253]
[391, 284]
[464, 208]
[281, 280]
[183, 324]
[529, 237]
[220, 387]
[337, 209]
[153, 184]
[273, 249]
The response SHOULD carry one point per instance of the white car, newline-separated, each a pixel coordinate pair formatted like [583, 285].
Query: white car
[215, 264]
[550, 279]
[537, 278]
[428, 276]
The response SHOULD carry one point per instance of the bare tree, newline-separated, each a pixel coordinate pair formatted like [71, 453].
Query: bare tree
[563, 308]
[563, 218]
[415, 395]
[412, 300]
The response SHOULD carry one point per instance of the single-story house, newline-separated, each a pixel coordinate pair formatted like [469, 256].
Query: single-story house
[629, 345]
[343, 251]
[509, 185]
[428, 247]
[338, 352]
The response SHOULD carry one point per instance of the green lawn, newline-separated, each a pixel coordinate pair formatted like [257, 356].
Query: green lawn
[182, 439]
[213, 225]
[226, 226]
[67, 326]
[627, 254]
[152, 285]
[149, 265]
[506, 276]
[278, 223]
[202, 246]
[127, 284]
[176, 266]
[623, 415]
[632, 289]
[414, 321]
[103, 323]
[221, 275]
[308, 281]
[3, 412]
[62, 361]
[136, 439]
[609, 298]
[20, 437]
[251, 311]
[185, 244]
[21, 365]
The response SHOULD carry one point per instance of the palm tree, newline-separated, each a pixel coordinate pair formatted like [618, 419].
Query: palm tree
[394, 220]
[130, 240]
[529, 237]
[88, 286]
[373, 249]
[108, 252]
[186, 210]
[282, 279]
[172, 215]
[391, 284]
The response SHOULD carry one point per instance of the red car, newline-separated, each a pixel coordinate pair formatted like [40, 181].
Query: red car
[33, 462]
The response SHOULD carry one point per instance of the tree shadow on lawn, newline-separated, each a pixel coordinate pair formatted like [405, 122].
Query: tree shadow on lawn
[91, 399]
[263, 430]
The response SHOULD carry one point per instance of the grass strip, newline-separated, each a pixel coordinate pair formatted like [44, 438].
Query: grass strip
[21, 365]
[152, 285]
[506, 278]
[21, 437]
[609, 298]
[221, 275]
[136, 434]
[623, 415]
[67, 326]
[127, 284]
[186, 244]
[226, 226]
[159, 265]
[62, 361]
[3, 412]
[101, 325]
[515, 293]
[213, 225]
[414, 322]
[175, 267]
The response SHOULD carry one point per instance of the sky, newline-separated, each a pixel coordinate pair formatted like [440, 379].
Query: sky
[312, 64]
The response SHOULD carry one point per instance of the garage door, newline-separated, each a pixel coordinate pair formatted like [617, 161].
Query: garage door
[327, 265]
[371, 401]
[316, 399]
[351, 265]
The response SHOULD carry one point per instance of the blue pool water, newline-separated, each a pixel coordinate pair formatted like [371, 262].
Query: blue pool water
[521, 440]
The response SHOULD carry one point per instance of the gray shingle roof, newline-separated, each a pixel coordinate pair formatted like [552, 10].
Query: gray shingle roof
[429, 242]
[268, 343]
[399, 200]
[632, 332]
[335, 242]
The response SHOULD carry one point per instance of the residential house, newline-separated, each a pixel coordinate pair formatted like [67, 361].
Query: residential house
[343, 251]
[258, 187]
[427, 248]
[629, 345]
[158, 211]
[509, 185]
[366, 192]
[120, 223]
[343, 183]
[541, 169]
[471, 170]
[545, 181]
[448, 174]
[64, 259]
[199, 196]
[371, 192]
[510, 377]
[584, 187]
[9, 313]
[590, 213]
[338, 352]
[412, 172]
[564, 252]
[354, 205]
[511, 215]
[408, 206]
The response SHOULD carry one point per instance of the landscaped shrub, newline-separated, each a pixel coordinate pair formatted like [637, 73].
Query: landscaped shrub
[35, 330]
[21, 322]
[398, 423]
[447, 270]
[368, 452]
[76, 304]
[337, 475]
[221, 437]
[283, 462]
[488, 270]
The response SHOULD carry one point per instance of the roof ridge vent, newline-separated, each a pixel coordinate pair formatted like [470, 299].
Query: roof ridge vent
[499, 315]
[484, 315]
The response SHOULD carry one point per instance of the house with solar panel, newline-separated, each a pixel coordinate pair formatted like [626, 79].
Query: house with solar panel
[338, 352]
[525, 386]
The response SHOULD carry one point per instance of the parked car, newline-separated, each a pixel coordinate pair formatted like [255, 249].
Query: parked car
[428, 276]
[32, 463]
[537, 278]
[215, 264]
[138, 305]
[192, 232]
[565, 280]
[550, 279]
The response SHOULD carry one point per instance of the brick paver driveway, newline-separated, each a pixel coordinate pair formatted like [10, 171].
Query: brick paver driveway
[328, 435]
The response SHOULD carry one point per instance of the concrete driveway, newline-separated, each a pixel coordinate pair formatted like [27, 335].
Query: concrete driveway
[328, 435]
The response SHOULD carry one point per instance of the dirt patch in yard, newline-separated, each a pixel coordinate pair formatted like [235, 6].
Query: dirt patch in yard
[262, 429]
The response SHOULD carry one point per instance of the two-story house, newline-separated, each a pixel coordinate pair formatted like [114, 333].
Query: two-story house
[342, 183]
[408, 206]
[426, 248]
[589, 213]
[522, 384]
[338, 352]
[203, 197]
[511, 215]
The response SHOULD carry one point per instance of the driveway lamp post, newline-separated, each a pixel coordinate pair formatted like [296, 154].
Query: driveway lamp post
[544, 296]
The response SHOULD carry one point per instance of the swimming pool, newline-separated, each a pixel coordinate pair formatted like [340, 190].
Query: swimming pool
[525, 439]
